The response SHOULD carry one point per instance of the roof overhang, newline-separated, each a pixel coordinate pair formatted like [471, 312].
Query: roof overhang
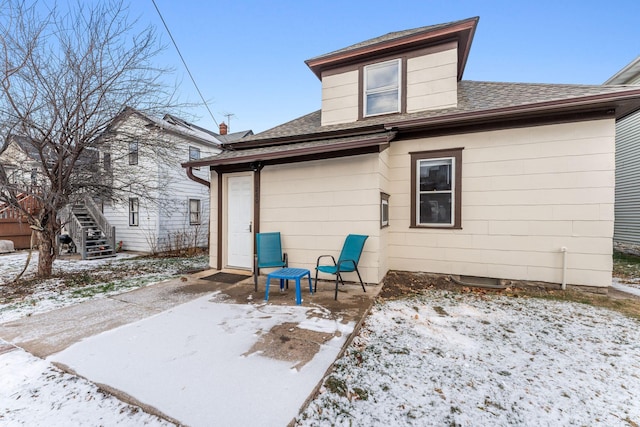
[302, 150]
[460, 31]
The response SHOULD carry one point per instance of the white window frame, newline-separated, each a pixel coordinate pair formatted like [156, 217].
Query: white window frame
[366, 92]
[195, 217]
[134, 212]
[384, 210]
[437, 161]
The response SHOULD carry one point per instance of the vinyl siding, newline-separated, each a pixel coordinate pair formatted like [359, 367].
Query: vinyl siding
[526, 193]
[432, 81]
[164, 216]
[627, 207]
[315, 205]
[340, 98]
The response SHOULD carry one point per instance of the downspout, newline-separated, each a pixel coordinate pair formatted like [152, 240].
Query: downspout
[199, 180]
[564, 267]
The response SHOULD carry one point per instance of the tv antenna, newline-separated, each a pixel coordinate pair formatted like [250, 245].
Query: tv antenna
[228, 116]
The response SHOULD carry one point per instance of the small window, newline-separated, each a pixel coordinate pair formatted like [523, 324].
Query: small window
[133, 153]
[106, 162]
[384, 210]
[134, 212]
[436, 188]
[382, 88]
[194, 211]
[194, 154]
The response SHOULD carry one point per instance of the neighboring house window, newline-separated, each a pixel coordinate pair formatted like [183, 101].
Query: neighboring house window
[12, 174]
[384, 210]
[194, 154]
[133, 153]
[134, 212]
[382, 88]
[194, 211]
[106, 162]
[436, 188]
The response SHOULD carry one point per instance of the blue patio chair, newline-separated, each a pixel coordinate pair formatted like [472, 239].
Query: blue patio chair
[268, 254]
[347, 261]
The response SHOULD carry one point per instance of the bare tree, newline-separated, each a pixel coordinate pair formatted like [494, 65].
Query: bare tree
[64, 77]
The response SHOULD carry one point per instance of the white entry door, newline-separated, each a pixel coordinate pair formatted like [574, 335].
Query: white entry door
[239, 226]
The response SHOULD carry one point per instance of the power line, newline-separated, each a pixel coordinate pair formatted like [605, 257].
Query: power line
[184, 62]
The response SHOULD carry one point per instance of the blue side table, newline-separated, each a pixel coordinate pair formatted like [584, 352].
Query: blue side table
[289, 274]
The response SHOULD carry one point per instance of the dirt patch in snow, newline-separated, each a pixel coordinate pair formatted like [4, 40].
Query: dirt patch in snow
[290, 343]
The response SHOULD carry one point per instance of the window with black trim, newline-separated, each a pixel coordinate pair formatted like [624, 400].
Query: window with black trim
[106, 162]
[194, 211]
[134, 212]
[436, 188]
[384, 210]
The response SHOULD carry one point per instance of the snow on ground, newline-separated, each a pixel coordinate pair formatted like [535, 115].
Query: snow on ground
[630, 287]
[71, 284]
[467, 360]
[205, 375]
[436, 359]
[34, 393]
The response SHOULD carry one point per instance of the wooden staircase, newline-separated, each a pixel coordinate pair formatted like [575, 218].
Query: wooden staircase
[92, 234]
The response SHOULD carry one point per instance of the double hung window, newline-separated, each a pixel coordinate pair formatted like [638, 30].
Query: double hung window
[382, 88]
[194, 211]
[436, 198]
[134, 212]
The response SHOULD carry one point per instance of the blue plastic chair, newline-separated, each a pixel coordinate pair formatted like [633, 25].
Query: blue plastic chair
[268, 254]
[347, 261]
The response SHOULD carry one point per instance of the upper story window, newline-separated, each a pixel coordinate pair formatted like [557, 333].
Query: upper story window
[194, 154]
[106, 162]
[133, 153]
[382, 88]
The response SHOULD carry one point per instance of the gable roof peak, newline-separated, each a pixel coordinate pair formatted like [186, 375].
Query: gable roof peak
[462, 31]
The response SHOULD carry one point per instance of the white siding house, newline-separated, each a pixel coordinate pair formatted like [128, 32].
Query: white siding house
[168, 210]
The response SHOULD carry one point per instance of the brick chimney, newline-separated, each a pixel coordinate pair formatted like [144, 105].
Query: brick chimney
[223, 128]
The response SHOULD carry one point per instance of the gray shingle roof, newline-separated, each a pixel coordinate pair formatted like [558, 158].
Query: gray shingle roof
[473, 96]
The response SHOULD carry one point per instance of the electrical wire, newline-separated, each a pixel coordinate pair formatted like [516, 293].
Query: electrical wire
[185, 65]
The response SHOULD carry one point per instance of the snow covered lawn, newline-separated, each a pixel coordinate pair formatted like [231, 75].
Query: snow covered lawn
[75, 280]
[447, 358]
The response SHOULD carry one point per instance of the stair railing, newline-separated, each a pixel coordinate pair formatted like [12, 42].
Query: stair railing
[107, 229]
[76, 231]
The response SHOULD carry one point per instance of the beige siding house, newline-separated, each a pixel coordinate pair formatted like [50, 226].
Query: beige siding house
[480, 179]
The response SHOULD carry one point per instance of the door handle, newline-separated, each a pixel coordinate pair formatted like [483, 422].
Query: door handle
[250, 226]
